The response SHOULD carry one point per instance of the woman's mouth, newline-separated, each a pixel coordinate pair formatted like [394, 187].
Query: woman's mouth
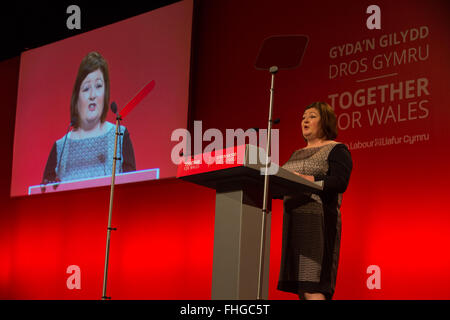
[92, 106]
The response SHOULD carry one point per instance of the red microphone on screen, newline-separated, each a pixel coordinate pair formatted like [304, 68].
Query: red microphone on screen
[135, 101]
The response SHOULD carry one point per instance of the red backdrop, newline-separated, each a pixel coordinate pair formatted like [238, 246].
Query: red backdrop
[394, 215]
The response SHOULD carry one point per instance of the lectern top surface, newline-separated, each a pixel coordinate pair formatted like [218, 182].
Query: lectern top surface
[240, 172]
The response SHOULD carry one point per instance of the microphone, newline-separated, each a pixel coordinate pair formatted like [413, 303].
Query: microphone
[276, 121]
[58, 179]
[114, 107]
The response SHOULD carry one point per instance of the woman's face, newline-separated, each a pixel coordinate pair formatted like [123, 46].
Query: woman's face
[311, 128]
[90, 99]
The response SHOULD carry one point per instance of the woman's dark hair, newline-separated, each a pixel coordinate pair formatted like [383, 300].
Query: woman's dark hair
[91, 62]
[327, 119]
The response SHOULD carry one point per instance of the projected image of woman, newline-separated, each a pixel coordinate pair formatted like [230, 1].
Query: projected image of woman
[312, 222]
[87, 151]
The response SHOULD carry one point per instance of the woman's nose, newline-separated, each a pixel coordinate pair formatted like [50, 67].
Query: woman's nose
[92, 94]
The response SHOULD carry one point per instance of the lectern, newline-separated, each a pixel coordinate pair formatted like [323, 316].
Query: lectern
[237, 175]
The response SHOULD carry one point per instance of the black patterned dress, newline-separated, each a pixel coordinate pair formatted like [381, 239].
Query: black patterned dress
[312, 223]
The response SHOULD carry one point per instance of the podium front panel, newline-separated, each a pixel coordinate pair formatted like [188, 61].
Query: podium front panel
[237, 235]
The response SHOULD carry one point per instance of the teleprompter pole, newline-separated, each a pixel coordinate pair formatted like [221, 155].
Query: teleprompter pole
[273, 70]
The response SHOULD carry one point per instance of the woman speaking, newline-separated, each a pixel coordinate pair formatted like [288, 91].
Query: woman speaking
[312, 222]
[87, 151]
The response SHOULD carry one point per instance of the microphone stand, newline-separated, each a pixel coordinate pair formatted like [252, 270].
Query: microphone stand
[273, 70]
[108, 236]
[119, 116]
[62, 152]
